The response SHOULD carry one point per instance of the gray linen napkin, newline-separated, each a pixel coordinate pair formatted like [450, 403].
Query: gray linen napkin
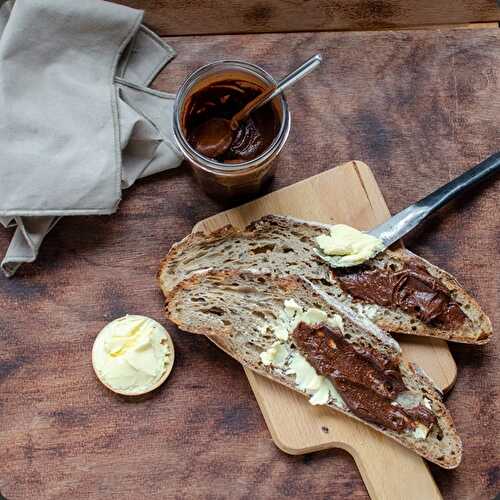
[78, 123]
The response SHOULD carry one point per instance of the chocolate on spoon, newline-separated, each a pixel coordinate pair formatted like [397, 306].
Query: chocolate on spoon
[215, 136]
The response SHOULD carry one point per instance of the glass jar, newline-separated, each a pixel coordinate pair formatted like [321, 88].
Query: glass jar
[225, 180]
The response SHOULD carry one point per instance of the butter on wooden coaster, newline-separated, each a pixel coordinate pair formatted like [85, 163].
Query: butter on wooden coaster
[133, 355]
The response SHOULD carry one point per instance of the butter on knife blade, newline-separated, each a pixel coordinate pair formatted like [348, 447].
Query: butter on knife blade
[348, 245]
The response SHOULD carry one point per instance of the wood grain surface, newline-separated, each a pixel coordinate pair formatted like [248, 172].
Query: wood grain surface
[419, 108]
[188, 17]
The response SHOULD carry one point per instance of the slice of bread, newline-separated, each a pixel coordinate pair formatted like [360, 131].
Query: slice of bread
[283, 245]
[239, 309]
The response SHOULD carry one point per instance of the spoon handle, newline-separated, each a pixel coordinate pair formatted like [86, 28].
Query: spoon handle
[294, 76]
[272, 92]
[403, 222]
[254, 104]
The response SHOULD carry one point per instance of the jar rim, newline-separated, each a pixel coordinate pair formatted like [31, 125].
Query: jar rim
[209, 163]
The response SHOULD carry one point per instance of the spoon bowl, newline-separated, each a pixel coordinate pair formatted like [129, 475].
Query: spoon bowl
[213, 137]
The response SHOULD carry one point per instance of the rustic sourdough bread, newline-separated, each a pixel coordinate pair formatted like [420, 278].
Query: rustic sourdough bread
[283, 245]
[236, 308]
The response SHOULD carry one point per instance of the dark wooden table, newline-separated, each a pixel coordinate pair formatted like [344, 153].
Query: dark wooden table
[419, 107]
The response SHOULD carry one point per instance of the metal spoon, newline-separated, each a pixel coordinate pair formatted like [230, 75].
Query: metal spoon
[405, 221]
[221, 130]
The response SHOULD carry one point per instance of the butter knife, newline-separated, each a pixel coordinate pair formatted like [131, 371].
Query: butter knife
[405, 221]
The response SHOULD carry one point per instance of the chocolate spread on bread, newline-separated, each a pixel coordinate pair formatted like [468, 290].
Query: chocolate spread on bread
[223, 99]
[368, 382]
[411, 289]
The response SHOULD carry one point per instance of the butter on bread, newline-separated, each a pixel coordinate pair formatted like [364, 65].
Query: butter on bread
[223, 306]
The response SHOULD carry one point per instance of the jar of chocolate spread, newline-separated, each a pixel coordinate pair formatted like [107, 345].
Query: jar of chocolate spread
[220, 90]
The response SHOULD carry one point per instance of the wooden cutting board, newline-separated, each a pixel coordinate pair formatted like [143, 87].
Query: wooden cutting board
[345, 194]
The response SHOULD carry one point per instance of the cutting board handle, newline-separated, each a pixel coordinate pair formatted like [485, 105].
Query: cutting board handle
[391, 472]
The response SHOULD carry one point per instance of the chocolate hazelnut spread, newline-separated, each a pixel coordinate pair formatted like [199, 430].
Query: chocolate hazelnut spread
[412, 289]
[223, 99]
[368, 382]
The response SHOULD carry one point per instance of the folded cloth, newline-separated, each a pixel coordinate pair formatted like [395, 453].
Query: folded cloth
[78, 123]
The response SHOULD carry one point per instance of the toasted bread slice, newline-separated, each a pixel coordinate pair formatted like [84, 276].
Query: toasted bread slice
[240, 309]
[283, 245]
